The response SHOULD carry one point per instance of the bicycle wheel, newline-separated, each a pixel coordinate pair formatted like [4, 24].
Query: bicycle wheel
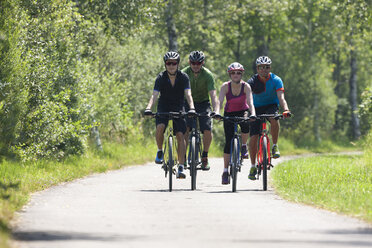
[170, 162]
[193, 163]
[234, 165]
[264, 162]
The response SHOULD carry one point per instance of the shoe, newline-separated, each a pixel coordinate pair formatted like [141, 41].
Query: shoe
[225, 178]
[180, 174]
[205, 165]
[159, 157]
[252, 173]
[275, 151]
[244, 151]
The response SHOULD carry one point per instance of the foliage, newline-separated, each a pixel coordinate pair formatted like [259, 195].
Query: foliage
[66, 66]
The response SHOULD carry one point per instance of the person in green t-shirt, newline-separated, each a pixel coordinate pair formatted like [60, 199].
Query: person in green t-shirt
[202, 87]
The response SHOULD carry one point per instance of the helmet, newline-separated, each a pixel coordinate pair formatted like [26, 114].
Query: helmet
[172, 55]
[197, 56]
[263, 60]
[235, 67]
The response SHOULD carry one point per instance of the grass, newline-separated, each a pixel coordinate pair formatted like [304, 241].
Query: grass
[339, 183]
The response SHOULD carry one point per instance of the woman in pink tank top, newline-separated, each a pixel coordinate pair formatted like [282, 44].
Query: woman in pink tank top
[239, 102]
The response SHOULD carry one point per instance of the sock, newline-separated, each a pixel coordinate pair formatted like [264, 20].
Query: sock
[274, 145]
[225, 169]
[160, 150]
[205, 154]
[253, 165]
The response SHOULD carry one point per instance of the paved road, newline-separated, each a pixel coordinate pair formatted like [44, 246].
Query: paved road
[132, 208]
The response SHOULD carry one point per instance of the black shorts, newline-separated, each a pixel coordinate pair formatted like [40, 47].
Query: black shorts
[229, 129]
[179, 124]
[205, 123]
[255, 126]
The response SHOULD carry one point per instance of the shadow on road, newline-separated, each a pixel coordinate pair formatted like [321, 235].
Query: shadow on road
[57, 235]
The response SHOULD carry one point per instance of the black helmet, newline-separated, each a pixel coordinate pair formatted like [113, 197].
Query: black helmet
[197, 56]
[172, 55]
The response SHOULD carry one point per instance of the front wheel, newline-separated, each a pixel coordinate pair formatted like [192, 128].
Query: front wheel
[170, 162]
[264, 162]
[193, 163]
[234, 165]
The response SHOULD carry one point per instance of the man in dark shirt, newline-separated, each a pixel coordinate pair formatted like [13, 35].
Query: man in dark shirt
[173, 86]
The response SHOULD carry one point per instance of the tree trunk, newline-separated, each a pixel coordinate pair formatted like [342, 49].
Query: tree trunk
[172, 35]
[204, 43]
[355, 124]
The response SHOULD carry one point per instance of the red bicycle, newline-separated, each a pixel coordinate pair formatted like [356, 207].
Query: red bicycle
[264, 154]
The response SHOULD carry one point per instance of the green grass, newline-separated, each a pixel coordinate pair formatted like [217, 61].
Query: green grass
[338, 183]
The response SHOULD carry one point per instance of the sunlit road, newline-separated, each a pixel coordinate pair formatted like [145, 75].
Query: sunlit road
[132, 208]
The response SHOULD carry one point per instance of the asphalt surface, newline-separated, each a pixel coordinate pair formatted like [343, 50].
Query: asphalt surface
[132, 207]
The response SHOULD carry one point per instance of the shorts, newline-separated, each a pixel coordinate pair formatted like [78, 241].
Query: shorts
[179, 124]
[229, 129]
[255, 126]
[205, 123]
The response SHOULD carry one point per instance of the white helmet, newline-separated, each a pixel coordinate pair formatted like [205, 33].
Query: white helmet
[263, 60]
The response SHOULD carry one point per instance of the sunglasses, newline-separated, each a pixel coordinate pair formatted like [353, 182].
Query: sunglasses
[196, 63]
[171, 63]
[261, 67]
[236, 72]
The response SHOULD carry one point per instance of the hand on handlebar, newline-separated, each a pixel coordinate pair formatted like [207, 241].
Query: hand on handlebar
[148, 112]
[216, 116]
[191, 113]
[252, 118]
[287, 114]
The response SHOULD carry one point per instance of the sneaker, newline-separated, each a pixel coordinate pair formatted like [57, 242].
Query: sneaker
[159, 157]
[225, 178]
[205, 165]
[275, 151]
[244, 151]
[252, 173]
[180, 174]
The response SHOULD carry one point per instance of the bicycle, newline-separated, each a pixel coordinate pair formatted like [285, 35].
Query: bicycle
[195, 149]
[264, 154]
[170, 157]
[236, 160]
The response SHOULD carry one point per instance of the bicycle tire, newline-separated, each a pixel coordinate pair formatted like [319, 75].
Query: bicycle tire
[170, 162]
[264, 163]
[193, 163]
[234, 165]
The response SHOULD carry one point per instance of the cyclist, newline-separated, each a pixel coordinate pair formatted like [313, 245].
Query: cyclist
[202, 83]
[239, 102]
[173, 85]
[268, 93]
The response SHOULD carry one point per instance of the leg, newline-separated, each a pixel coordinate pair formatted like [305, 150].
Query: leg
[160, 135]
[253, 148]
[207, 140]
[274, 130]
[181, 147]
[226, 160]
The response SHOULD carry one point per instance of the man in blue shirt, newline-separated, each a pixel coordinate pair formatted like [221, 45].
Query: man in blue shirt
[268, 93]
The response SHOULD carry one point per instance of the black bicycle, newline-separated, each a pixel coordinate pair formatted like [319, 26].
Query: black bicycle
[235, 149]
[170, 147]
[195, 148]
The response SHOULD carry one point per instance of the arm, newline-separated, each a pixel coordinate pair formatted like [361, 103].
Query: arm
[189, 98]
[282, 101]
[248, 93]
[221, 97]
[214, 99]
[153, 99]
